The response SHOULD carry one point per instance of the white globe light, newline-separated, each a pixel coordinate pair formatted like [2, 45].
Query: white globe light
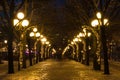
[15, 22]
[94, 23]
[37, 34]
[20, 15]
[75, 40]
[5, 41]
[47, 42]
[98, 15]
[25, 23]
[89, 34]
[35, 29]
[72, 42]
[43, 39]
[32, 34]
[105, 21]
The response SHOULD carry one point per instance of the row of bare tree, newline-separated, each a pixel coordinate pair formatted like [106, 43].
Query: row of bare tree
[73, 14]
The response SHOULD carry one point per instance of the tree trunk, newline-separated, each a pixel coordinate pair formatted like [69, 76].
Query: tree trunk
[105, 50]
[10, 54]
[30, 53]
[87, 51]
[0, 57]
[30, 57]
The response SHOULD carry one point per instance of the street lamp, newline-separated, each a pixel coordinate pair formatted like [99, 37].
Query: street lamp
[20, 15]
[47, 49]
[20, 23]
[101, 22]
[98, 21]
[34, 34]
[20, 20]
[42, 46]
[76, 41]
[43, 40]
[87, 41]
[47, 42]
[84, 35]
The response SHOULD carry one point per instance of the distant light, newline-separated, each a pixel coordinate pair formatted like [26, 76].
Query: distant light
[26, 45]
[80, 40]
[89, 34]
[75, 40]
[84, 30]
[72, 42]
[60, 48]
[41, 36]
[81, 34]
[5, 41]
[49, 45]
[63, 39]
[43, 39]
[47, 42]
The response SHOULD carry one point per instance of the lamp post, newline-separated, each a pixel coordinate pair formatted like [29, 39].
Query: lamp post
[20, 23]
[97, 48]
[37, 46]
[47, 49]
[75, 40]
[82, 52]
[102, 23]
[73, 52]
[33, 34]
[43, 40]
[86, 36]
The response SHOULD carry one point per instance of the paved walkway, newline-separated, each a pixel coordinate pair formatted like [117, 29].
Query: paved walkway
[61, 70]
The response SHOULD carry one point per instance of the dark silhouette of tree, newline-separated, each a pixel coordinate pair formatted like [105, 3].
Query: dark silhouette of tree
[65, 21]
[58, 23]
[83, 11]
[9, 8]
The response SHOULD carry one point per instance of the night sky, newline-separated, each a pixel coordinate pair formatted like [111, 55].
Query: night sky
[60, 3]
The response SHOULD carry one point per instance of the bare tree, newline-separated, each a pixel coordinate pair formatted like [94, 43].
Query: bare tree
[83, 11]
[9, 9]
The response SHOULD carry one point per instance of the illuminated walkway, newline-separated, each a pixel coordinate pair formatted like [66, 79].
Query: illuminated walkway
[61, 70]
